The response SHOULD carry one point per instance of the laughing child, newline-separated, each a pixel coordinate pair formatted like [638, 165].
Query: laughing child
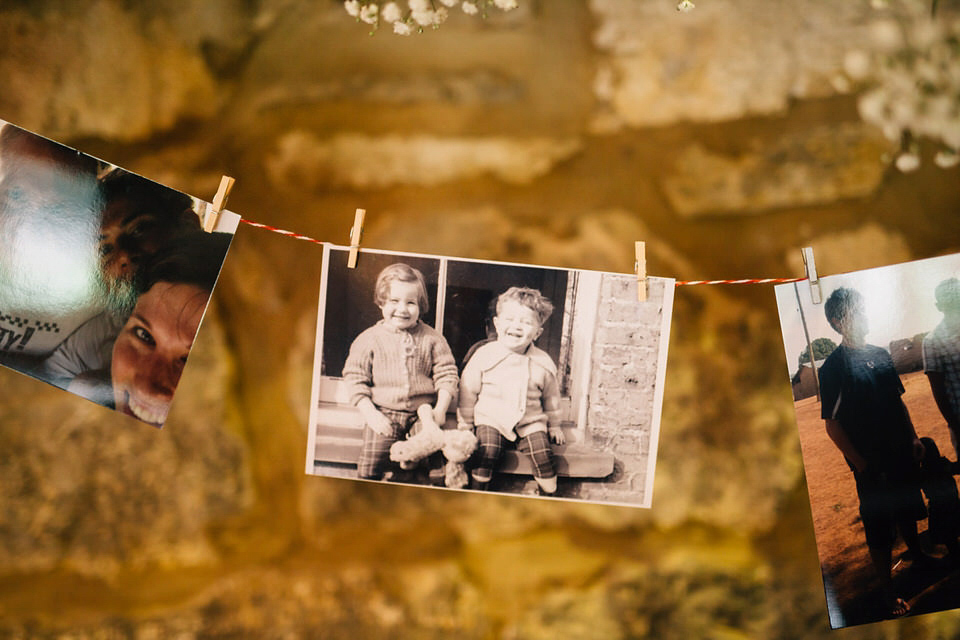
[509, 391]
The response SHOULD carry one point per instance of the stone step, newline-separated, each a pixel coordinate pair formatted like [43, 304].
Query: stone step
[340, 437]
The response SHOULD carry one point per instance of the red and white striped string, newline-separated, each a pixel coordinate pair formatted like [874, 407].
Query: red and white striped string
[284, 232]
[678, 283]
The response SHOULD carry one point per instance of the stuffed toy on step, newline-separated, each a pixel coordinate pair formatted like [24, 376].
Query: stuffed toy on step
[458, 446]
[429, 439]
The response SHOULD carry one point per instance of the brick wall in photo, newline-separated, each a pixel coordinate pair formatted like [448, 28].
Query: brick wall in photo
[622, 385]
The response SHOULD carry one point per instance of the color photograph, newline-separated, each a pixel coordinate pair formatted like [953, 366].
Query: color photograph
[875, 371]
[104, 275]
[488, 376]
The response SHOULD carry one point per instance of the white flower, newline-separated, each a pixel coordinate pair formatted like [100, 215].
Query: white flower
[685, 6]
[469, 8]
[352, 7]
[402, 28]
[947, 158]
[887, 34]
[891, 131]
[449, 3]
[440, 15]
[856, 64]
[369, 13]
[391, 12]
[419, 5]
[506, 5]
[423, 18]
[907, 162]
[872, 106]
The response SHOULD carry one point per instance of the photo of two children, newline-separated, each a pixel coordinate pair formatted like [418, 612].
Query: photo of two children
[488, 376]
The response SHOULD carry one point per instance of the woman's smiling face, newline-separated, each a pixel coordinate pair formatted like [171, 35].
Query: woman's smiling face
[152, 348]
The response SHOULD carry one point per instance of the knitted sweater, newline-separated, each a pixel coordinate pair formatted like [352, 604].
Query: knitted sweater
[515, 393]
[399, 369]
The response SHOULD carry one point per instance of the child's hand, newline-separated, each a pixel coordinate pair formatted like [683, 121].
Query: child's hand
[556, 434]
[439, 416]
[463, 426]
[379, 423]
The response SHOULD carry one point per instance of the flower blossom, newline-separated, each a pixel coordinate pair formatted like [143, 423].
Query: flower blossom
[352, 7]
[402, 28]
[391, 12]
[469, 8]
[907, 162]
[423, 18]
[506, 5]
[419, 5]
[369, 13]
[947, 159]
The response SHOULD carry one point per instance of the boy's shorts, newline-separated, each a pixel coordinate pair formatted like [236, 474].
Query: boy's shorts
[884, 502]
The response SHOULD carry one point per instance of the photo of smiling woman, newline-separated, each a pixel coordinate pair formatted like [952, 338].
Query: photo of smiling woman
[104, 274]
[149, 354]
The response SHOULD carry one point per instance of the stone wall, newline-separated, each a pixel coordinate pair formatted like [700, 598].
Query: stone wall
[555, 135]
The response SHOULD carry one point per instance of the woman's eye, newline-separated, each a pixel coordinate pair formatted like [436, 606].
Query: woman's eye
[144, 336]
[106, 249]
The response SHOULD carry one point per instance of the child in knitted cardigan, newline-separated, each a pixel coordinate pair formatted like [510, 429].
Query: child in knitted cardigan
[397, 365]
[509, 391]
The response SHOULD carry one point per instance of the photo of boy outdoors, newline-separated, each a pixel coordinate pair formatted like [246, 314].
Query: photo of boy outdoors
[487, 376]
[873, 414]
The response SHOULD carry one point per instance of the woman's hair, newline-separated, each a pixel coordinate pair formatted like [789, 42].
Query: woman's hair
[400, 272]
[530, 298]
[193, 259]
[150, 198]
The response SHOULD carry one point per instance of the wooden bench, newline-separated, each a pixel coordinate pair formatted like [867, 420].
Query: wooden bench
[340, 436]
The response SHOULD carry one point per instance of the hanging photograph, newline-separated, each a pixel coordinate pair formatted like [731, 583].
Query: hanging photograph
[488, 376]
[104, 275]
[875, 373]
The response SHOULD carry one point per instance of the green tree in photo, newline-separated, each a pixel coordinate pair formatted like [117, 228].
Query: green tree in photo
[822, 347]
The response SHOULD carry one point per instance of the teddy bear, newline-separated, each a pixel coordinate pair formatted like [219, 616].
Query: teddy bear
[456, 445]
[429, 439]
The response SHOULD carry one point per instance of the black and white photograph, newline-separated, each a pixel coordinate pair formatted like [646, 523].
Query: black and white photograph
[487, 376]
[104, 275]
[875, 372]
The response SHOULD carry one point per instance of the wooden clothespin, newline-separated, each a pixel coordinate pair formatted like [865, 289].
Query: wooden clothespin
[219, 202]
[816, 295]
[355, 232]
[640, 266]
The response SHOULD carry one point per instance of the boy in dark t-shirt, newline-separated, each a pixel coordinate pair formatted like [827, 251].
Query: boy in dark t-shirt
[867, 420]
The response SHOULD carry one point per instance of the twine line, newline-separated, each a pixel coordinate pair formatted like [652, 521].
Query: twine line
[679, 283]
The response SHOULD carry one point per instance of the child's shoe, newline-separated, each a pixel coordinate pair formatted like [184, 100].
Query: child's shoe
[547, 486]
[476, 485]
